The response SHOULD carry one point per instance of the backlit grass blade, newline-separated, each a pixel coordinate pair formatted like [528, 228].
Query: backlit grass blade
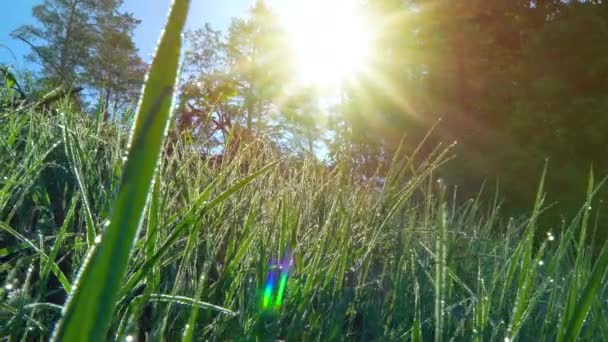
[87, 314]
[589, 294]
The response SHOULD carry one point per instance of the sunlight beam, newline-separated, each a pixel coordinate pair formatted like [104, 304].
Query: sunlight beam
[330, 41]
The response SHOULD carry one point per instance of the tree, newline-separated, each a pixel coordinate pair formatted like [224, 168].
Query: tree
[63, 41]
[257, 57]
[514, 82]
[238, 79]
[88, 42]
[115, 72]
[208, 94]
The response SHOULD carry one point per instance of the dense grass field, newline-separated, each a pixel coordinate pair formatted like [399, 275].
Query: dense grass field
[393, 262]
[269, 247]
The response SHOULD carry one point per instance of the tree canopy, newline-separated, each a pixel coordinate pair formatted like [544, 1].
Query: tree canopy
[513, 82]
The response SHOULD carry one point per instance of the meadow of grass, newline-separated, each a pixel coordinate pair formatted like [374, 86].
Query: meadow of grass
[398, 261]
[117, 240]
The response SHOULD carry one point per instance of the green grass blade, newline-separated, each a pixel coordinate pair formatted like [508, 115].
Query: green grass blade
[47, 265]
[175, 234]
[589, 294]
[88, 313]
[76, 164]
[49, 262]
[416, 325]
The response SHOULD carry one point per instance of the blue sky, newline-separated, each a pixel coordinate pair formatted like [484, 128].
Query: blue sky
[151, 12]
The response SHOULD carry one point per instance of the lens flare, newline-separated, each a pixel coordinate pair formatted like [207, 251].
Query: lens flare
[281, 291]
[270, 280]
[281, 268]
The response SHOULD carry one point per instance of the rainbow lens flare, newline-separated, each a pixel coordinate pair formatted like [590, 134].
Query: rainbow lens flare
[281, 271]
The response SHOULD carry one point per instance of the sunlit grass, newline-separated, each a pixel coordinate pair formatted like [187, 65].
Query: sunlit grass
[368, 262]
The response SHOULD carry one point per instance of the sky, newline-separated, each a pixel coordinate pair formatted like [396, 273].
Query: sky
[152, 13]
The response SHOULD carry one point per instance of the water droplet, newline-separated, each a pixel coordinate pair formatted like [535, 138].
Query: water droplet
[106, 223]
[124, 158]
[8, 286]
[507, 339]
[98, 238]
[540, 263]
[129, 338]
[5, 178]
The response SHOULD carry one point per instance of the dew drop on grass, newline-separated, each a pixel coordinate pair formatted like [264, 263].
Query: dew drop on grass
[98, 238]
[129, 338]
[541, 263]
[8, 287]
[507, 339]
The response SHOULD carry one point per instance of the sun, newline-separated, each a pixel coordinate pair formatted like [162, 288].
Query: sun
[330, 41]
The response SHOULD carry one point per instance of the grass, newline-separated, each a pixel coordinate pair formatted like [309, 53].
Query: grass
[188, 245]
[395, 261]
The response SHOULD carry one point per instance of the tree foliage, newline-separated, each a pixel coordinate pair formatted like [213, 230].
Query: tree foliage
[86, 42]
[513, 82]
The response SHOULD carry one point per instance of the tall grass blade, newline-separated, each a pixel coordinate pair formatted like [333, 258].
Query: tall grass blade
[588, 296]
[88, 312]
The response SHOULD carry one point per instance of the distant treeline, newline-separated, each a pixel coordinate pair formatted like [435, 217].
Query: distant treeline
[513, 82]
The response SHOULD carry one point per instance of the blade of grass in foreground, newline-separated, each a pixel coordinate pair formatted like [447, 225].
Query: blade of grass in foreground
[588, 296]
[88, 312]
